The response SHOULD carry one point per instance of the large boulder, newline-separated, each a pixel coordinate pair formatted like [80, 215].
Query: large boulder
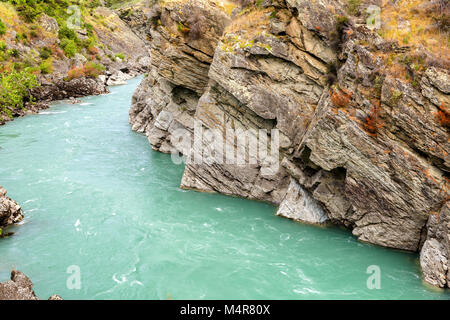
[10, 211]
[435, 253]
[20, 287]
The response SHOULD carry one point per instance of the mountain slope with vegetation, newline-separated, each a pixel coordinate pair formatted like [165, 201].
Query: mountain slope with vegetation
[62, 49]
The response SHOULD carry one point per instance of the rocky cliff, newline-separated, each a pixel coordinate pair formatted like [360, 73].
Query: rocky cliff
[361, 121]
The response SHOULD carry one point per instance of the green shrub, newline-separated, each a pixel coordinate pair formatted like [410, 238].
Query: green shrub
[13, 53]
[3, 46]
[15, 88]
[353, 6]
[2, 28]
[22, 37]
[90, 69]
[45, 53]
[88, 42]
[27, 10]
[69, 47]
[120, 56]
[67, 33]
[46, 66]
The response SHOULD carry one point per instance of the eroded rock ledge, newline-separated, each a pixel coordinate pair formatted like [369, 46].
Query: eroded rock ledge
[359, 146]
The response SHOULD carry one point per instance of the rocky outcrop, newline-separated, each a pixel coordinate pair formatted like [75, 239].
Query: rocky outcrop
[10, 211]
[20, 287]
[62, 89]
[435, 253]
[355, 144]
[299, 205]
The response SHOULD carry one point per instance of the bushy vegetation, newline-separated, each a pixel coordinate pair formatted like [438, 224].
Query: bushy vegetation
[340, 96]
[2, 28]
[89, 69]
[46, 66]
[15, 89]
[29, 10]
[69, 47]
[353, 6]
[120, 56]
[45, 53]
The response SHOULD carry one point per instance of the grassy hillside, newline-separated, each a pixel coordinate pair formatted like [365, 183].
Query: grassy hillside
[41, 38]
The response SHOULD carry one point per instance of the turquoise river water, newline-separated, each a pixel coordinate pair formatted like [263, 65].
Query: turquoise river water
[96, 196]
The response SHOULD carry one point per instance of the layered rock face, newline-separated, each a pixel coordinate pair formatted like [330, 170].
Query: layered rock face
[180, 59]
[10, 211]
[356, 144]
[20, 287]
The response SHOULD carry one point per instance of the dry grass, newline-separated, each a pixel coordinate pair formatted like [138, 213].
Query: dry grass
[228, 6]
[254, 21]
[416, 23]
[443, 116]
[340, 97]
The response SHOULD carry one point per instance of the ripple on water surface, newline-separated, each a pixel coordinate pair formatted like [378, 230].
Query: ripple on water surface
[96, 196]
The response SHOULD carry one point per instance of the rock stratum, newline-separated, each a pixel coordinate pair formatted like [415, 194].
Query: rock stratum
[361, 143]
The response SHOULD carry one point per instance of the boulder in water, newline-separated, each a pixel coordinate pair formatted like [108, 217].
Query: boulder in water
[20, 287]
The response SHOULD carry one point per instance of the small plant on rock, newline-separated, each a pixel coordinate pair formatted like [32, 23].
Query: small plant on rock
[372, 123]
[443, 116]
[340, 96]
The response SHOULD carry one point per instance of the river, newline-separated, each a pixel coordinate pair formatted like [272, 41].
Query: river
[98, 200]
